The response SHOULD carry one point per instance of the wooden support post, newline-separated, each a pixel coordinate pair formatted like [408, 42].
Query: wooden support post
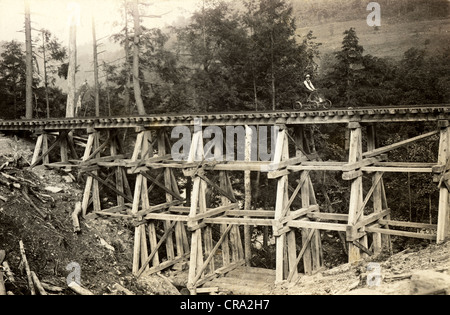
[46, 159]
[37, 148]
[356, 193]
[443, 210]
[114, 150]
[63, 147]
[379, 241]
[162, 151]
[140, 199]
[224, 201]
[248, 195]
[91, 184]
[285, 242]
[312, 253]
[196, 256]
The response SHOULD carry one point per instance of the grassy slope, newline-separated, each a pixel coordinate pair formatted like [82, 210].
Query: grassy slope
[391, 40]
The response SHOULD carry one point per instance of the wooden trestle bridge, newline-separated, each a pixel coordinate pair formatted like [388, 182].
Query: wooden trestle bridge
[188, 239]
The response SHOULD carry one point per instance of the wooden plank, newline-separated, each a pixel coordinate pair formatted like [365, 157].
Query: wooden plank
[147, 210]
[408, 224]
[302, 252]
[328, 216]
[371, 218]
[212, 212]
[362, 163]
[137, 230]
[46, 159]
[443, 206]
[376, 181]
[44, 154]
[155, 249]
[397, 145]
[166, 189]
[251, 213]
[298, 213]
[302, 181]
[221, 271]
[356, 198]
[217, 187]
[37, 149]
[397, 169]
[98, 150]
[240, 221]
[110, 186]
[318, 225]
[372, 229]
[304, 167]
[105, 161]
[165, 264]
[211, 254]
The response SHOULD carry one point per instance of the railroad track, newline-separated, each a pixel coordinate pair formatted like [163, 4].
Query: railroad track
[403, 113]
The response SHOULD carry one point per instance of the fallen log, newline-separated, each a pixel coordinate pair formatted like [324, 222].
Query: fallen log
[27, 268]
[8, 272]
[75, 220]
[79, 289]
[2, 283]
[38, 284]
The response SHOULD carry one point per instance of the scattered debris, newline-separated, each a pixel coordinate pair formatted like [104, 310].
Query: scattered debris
[53, 189]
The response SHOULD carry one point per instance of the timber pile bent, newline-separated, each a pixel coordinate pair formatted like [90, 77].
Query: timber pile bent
[178, 232]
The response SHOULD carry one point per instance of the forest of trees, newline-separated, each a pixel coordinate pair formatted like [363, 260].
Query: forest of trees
[224, 59]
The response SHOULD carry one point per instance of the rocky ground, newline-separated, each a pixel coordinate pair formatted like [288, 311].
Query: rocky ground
[36, 207]
[420, 269]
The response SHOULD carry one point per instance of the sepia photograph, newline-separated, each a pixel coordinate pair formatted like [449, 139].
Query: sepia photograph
[224, 153]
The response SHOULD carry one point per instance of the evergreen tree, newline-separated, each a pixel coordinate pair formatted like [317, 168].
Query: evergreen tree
[13, 78]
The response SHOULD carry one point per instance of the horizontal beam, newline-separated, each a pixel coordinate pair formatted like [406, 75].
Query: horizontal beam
[408, 224]
[318, 225]
[389, 169]
[372, 229]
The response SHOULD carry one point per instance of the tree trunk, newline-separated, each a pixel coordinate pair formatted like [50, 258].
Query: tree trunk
[29, 64]
[273, 73]
[136, 84]
[47, 102]
[96, 88]
[71, 87]
[127, 65]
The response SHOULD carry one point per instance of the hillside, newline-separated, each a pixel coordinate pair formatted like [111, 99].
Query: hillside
[389, 40]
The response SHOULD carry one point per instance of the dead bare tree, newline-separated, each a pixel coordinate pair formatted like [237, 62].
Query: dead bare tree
[136, 83]
[29, 64]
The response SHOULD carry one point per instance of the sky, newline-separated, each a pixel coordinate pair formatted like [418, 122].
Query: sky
[54, 15]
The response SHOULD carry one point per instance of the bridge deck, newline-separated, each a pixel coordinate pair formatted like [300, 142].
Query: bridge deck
[404, 113]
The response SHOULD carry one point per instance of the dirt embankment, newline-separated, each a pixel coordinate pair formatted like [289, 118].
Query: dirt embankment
[36, 207]
[417, 270]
